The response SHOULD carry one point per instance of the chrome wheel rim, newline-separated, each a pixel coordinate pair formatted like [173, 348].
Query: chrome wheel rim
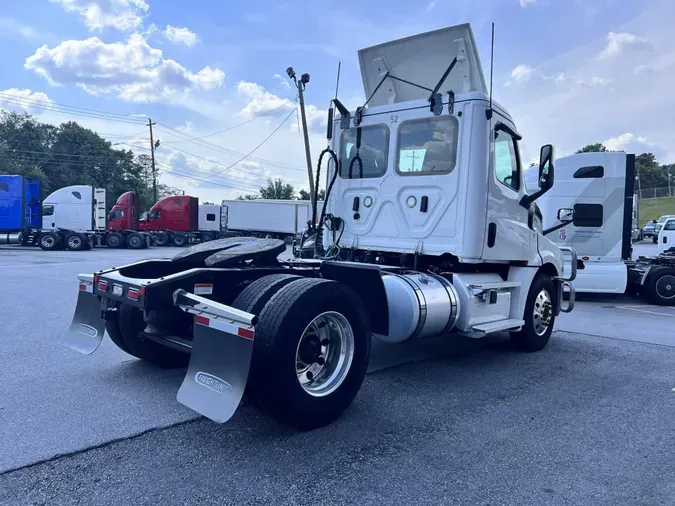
[543, 312]
[48, 241]
[74, 242]
[324, 354]
[665, 287]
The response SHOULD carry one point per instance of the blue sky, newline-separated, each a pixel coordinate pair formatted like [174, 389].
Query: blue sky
[571, 72]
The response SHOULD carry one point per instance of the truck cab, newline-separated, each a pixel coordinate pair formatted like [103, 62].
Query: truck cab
[77, 208]
[125, 213]
[444, 183]
[667, 236]
[177, 213]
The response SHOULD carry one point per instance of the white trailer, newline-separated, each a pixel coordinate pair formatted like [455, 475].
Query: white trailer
[599, 187]
[265, 217]
[428, 228]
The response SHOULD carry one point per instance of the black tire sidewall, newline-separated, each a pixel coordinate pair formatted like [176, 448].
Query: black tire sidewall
[527, 338]
[130, 241]
[652, 279]
[161, 239]
[179, 240]
[273, 365]
[110, 240]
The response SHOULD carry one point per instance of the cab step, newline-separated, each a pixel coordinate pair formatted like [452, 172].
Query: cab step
[495, 286]
[488, 328]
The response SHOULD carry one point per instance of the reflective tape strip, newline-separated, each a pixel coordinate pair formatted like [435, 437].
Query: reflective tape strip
[230, 328]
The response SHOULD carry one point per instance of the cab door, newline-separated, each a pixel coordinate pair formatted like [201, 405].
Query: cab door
[508, 235]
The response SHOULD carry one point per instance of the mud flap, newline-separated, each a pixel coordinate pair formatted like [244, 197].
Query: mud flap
[221, 356]
[87, 328]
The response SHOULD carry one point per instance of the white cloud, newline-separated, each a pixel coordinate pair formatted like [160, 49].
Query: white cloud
[619, 43]
[431, 5]
[521, 73]
[525, 3]
[589, 99]
[98, 14]
[283, 82]
[24, 99]
[261, 101]
[180, 35]
[623, 141]
[133, 70]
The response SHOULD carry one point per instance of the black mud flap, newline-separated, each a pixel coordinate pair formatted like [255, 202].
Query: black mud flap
[221, 356]
[87, 328]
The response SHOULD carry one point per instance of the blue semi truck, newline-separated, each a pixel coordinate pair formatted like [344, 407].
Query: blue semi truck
[20, 209]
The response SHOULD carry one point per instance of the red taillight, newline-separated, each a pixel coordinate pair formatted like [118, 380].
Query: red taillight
[102, 286]
[133, 294]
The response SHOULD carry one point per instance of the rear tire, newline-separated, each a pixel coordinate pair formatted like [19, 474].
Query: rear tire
[131, 324]
[180, 240]
[539, 316]
[136, 241]
[161, 239]
[76, 242]
[114, 240]
[295, 315]
[49, 241]
[206, 237]
[659, 287]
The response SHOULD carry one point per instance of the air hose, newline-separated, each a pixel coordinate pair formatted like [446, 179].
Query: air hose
[318, 241]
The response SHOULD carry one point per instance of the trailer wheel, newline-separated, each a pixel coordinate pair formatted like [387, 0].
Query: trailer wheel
[180, 240]
[311, 352]
[161, 239]
[206, 237]
[49, 241]
[135, 241]
[114, 240]
[131, 324]
[76, 242]
[660, 286]
[539, 316]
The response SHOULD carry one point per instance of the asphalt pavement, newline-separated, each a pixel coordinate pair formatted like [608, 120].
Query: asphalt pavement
[445, 421]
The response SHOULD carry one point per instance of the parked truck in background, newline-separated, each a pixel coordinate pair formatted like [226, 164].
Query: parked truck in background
[20, 208]
[280, 219]
[599, 187]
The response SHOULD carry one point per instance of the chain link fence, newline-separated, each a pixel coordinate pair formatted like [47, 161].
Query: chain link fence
[656, 193]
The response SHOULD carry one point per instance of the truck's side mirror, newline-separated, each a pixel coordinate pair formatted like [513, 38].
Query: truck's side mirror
[546, 156]
[546, 175]
[565, 215]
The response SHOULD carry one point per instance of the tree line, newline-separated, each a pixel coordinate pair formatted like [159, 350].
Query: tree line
[70, 154]
[276, 189]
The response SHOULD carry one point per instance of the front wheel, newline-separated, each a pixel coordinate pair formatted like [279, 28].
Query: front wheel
[539, 316]
[311, 352]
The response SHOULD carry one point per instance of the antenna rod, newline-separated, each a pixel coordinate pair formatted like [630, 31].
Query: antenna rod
[492, 60]
[337, 84]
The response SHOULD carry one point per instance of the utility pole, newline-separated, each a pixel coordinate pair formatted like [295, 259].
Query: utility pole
[152, 157]
[414, 157]
[300, 85]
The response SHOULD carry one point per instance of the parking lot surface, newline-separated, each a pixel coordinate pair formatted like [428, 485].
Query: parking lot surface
[589, 420]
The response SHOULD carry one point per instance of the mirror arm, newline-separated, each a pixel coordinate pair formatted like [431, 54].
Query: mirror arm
[556, 227]
[526, 200]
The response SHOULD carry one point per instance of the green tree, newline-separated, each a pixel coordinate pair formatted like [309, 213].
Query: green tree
[304, 195]
[652, 175]
[593, 148]
[275, 189]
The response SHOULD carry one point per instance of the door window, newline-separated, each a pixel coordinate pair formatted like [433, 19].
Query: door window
[588, 215]
[48, 210]
[670, 225]
[427, 146]
[373, 152]
[506, 160]
[116, 214]
[210, 217]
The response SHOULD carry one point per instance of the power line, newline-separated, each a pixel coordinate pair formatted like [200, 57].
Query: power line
[258, 146]
[69, 109]
[237, 125]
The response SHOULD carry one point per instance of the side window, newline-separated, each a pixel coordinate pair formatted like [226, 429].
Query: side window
[77, 195]
[373, 152]
[153, 215]
[593, 171]
[117, 214]
[48, 210]
[670, 225]
[588, 215]
[210, 217]
[506, 160]
[427, 146]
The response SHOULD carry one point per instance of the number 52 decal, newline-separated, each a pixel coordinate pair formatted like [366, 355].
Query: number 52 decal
[393, 119]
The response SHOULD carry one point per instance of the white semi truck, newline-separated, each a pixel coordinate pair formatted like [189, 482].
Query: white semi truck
[426, 229]
[599, 187]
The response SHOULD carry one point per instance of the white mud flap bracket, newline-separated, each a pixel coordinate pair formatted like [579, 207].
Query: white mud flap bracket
[87, 328]
[222, 347]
